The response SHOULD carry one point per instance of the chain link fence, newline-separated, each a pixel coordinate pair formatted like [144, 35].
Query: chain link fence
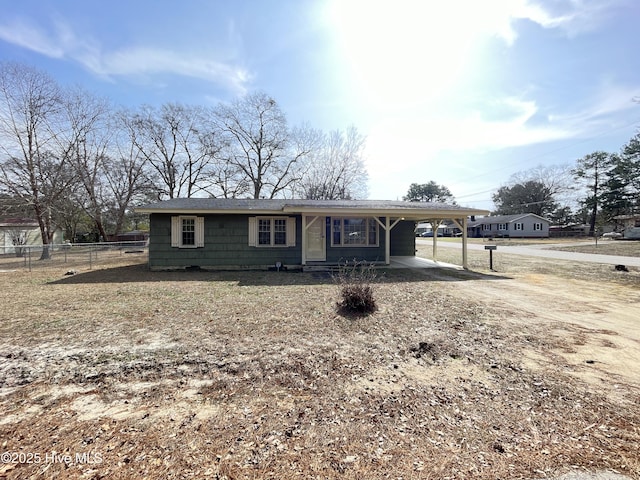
[69, 255]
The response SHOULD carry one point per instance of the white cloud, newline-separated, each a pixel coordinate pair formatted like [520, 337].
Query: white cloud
[147, 61]
[572, 16]
[418, 139]
[63, 43]
[611, 99]
[27, 36]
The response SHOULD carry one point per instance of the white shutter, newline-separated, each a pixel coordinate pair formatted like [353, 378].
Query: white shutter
[176, 231]
[291, 231]
[253, 231]
[199, 231]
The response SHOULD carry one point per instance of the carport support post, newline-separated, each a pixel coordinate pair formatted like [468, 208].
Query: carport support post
[435, 224]
[462, 224]
[387, 226]
[464, 243]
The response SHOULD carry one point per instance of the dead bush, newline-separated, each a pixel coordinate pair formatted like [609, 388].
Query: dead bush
[355, 280]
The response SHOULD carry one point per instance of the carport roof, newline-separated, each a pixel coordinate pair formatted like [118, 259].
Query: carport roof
[409, 210]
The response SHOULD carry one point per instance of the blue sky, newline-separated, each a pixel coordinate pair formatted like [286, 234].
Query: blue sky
[462, 92]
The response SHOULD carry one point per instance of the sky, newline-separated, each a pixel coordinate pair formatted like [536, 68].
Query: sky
[465, 93]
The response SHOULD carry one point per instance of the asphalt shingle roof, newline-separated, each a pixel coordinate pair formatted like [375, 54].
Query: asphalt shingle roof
[253, 205]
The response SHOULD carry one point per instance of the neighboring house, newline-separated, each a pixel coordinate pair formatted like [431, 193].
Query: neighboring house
[16, 233]
[631, 226]
[234, 233]
[444, 230]
[525, 225]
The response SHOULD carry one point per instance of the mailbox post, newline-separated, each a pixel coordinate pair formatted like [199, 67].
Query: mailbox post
[491, 248]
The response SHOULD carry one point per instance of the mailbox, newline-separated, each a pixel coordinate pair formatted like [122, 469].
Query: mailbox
[491, 248]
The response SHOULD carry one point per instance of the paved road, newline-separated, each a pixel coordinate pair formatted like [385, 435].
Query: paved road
[603, 475]
[543, 250]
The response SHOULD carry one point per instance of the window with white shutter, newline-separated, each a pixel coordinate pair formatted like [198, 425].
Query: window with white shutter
[187, 231]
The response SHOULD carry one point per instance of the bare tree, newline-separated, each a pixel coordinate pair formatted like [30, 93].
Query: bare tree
[125, 173]
[86, 143]
[170, 140]
[30, 106]
[336, 168]
[258, 144]
[556, 179]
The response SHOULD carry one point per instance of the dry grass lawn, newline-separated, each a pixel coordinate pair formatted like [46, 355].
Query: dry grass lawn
[254, 375]
[628, 248]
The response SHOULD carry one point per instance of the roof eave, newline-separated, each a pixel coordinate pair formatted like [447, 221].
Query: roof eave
[208, 211]
[409, 213]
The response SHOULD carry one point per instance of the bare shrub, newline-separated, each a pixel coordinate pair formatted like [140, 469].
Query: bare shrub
[355, 280]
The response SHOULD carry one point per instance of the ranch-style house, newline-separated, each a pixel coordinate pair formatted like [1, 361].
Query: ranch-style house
[212, 233]
[522, 225]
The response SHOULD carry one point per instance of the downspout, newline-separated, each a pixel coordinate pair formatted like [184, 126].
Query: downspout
[304, 240]
[387, 240]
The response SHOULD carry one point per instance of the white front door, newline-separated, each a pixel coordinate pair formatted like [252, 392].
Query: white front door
[316, 247]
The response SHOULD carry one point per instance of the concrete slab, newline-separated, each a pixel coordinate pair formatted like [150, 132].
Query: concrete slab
[418, 262]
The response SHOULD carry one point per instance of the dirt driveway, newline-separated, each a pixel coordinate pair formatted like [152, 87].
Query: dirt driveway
[598, 325]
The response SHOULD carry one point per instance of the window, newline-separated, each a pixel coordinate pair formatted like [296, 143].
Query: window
[348, 232]
[518, 226]
[272, 231]
[486, 227]
[537, 226]
[187, 231]
[502, 226]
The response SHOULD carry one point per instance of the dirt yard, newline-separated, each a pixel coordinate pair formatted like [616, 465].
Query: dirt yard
[527, 372]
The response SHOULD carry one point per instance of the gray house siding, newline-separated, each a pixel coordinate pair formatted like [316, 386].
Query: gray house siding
[403, 239]
[528, 231]
[226, 244]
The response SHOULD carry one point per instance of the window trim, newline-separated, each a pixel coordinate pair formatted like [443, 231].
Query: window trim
[518, 227]
[369, 222]
[177, 231]
[537, 226]
[502, 226]
[254, 232]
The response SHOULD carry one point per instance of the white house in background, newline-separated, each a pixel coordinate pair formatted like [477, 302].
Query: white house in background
[444, 230]
[17, 232]
[631, 226]
[524, 225]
